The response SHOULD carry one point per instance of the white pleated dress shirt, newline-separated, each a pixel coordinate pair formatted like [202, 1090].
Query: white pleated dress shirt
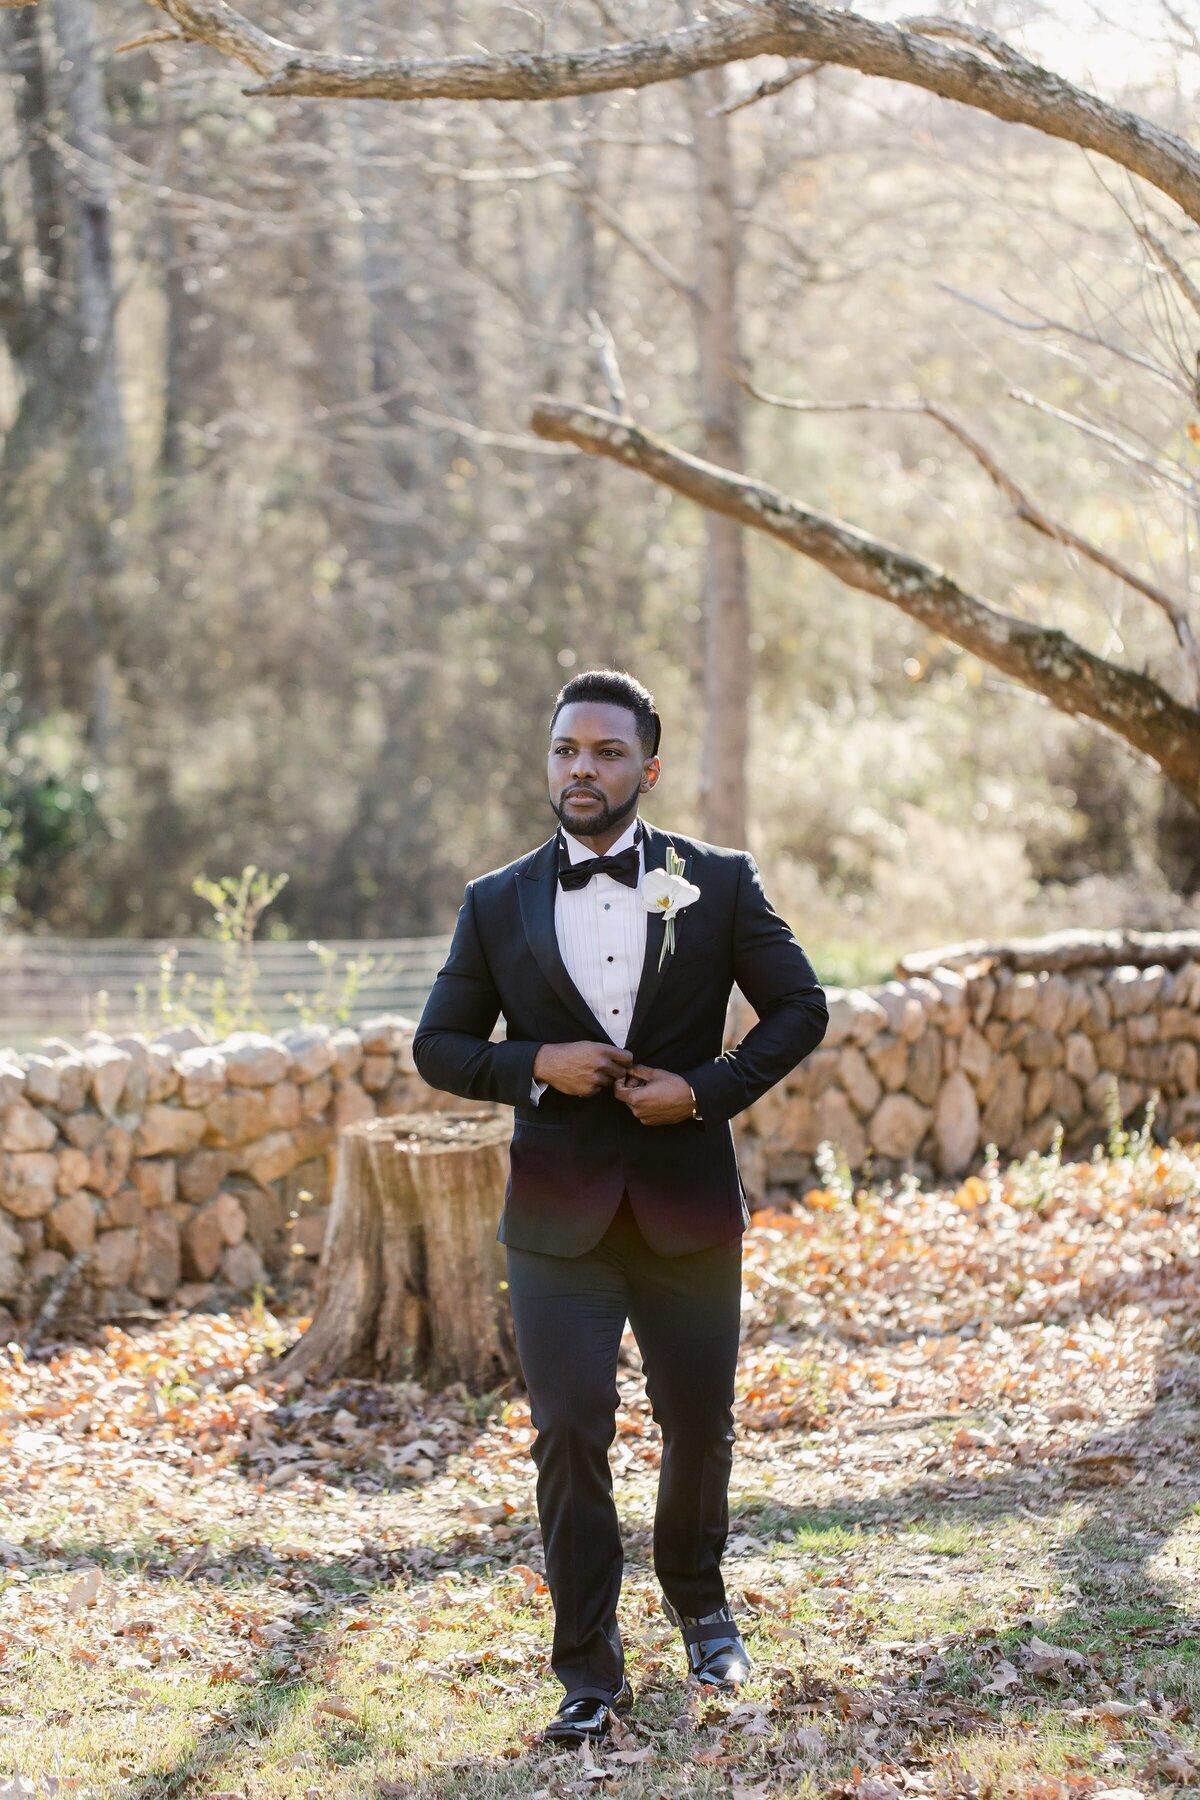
[601, 931]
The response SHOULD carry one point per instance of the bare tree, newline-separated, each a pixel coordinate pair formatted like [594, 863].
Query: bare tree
[957, 61]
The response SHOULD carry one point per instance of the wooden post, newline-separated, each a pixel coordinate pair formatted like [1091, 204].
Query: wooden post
[410, 1283]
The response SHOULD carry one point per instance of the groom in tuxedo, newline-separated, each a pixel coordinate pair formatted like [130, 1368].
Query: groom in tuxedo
[624, 1199]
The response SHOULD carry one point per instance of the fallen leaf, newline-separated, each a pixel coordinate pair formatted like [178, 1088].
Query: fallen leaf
[809, 1740]
[592, 1770]
[1004, 1676]
[1050, 1659]
[84, 1591]
[331, 1703]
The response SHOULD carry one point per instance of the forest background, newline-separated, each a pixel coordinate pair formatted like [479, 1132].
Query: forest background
[288, 580]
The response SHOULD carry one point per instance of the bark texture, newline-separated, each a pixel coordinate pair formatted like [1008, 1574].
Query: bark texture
[409, 1284]
[1133, 706]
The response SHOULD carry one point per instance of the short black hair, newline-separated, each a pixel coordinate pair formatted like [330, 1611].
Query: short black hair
[619, 688]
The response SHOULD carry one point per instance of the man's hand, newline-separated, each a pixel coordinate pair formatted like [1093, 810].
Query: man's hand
[581, 1068]
[654, 1096]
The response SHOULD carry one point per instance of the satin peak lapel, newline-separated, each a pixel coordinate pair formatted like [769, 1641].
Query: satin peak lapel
[536, 892]
[655, 848]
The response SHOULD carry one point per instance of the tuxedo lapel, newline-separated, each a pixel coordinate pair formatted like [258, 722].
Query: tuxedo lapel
[536, 893]
[654, 847]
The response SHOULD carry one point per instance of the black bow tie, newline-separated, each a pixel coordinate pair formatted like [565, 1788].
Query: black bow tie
[623, 867]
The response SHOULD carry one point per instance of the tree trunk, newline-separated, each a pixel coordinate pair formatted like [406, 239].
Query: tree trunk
[42, 350]
[411, 1278]
[86, 109]
[98, 501]
[727, 606]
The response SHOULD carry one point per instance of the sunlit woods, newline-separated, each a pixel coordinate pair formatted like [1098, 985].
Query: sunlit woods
[314, 608]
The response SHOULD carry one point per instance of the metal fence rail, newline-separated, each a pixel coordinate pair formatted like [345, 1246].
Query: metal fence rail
[61, 987]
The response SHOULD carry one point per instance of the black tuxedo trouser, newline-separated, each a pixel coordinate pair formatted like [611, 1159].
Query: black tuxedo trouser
[569, 1313]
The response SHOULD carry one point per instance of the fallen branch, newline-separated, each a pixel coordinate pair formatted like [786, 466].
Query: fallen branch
[1078, 947]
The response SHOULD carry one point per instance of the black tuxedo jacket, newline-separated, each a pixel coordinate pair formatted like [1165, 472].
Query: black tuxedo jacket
[571, 1157]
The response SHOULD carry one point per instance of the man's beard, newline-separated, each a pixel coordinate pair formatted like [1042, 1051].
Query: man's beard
[594, 821]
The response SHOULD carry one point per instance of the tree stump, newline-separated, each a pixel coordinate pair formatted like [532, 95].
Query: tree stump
[411, 1281]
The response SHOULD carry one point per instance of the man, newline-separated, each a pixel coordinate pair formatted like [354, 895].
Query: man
[624, 1198]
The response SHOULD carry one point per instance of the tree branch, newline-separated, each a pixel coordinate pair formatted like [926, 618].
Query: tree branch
[1026, 510]
[1175, 270]
[606, 349]
[775, 84]
[1009, 87]
[1169, 473]
[166, 34]
[1075, 680]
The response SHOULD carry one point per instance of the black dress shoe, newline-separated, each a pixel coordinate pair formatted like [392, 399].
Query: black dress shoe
[715, 1651]
[587, 1715]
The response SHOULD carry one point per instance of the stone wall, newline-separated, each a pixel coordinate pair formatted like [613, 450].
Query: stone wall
[178, 1169]
[978, 1045]
[175, 1168]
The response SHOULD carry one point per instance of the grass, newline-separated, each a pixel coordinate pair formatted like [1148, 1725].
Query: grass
[979, 1575]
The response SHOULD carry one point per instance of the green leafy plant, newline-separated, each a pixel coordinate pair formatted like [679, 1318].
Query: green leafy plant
[238, 903]
[334, 998]
[1035, 1181]
[230, 1001]
[1121, 1142]
[50, 811]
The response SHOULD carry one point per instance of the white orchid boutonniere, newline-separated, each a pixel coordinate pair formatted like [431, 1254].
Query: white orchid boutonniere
[665, 891]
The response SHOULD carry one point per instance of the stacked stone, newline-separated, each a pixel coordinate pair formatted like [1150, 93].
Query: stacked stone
[178, 1167]
[174, 1165]
[919, 1075]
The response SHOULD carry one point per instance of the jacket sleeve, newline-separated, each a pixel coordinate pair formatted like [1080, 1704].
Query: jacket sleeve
[781, 985]
[452, 1047]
